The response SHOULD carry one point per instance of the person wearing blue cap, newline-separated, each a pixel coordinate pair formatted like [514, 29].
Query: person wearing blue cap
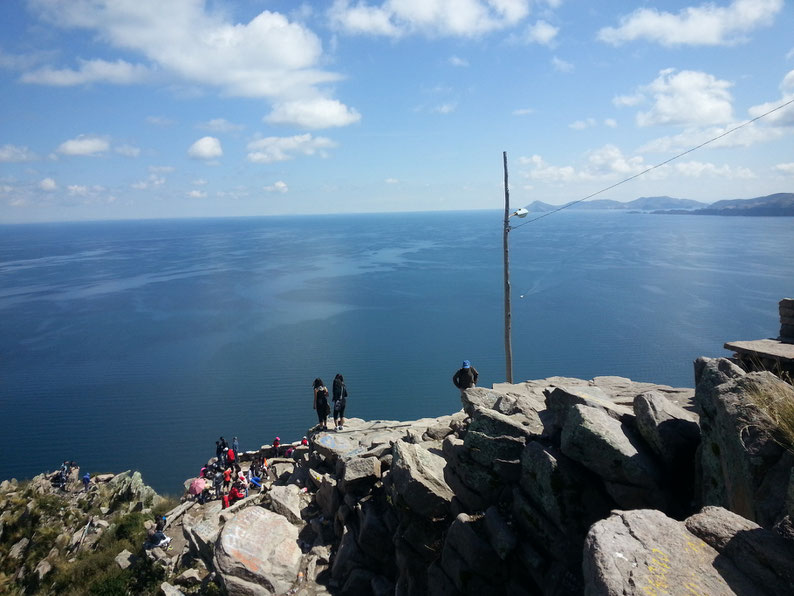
[466, 377]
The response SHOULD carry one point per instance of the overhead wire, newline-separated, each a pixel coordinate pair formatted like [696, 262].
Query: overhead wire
[667, 161]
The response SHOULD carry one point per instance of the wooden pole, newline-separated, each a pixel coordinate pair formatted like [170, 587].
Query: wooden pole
[508, 339]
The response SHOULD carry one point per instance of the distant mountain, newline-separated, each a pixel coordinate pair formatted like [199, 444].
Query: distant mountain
[655, 203]
[641, 204]
[778, 204]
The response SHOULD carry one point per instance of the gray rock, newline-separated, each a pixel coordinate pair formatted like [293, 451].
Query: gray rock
[201, 533]
[257, 553]
[124, 559]
[169, 590]
[360, 472]
[19, 548]
[645, 552]
[744, 469]
[495, 424]
[285, 500]
[764, 556]
[464, 536]
[561, 399]
[671, 432]
[348, 557]
[418, 477]
[358, 583]
[500, 534]
[43, 569]
[607, 447]
[189, 578]
[327, 497]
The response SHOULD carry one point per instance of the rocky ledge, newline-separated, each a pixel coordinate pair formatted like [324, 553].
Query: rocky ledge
[557, 486]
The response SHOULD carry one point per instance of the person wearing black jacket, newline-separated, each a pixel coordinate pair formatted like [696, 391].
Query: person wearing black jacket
[465, 377]
[340, 401]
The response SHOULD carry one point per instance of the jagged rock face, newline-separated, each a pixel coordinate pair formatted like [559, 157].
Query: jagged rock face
[743, 467]
[285, 500]
[608, 448]
[645, 552]
[418, 477]
[257, 553]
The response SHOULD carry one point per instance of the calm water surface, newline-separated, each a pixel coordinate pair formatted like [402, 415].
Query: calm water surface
[136, 344]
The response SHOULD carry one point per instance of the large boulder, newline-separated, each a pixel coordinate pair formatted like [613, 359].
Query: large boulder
[608, 448]
[201, 531]
[418, 477]
[285, 500]
[672, 432]
[744, 468]
[762, 555]
[644, 552]
[560, 400]
[257, 553]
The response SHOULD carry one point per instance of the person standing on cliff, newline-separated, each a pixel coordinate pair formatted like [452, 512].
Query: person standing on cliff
[466, 377]
[321, 403]
[340, 400]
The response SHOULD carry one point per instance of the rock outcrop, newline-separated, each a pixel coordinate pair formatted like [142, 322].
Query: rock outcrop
[558, 486]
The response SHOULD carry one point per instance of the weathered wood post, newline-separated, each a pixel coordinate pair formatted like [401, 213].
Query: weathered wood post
[508, 338]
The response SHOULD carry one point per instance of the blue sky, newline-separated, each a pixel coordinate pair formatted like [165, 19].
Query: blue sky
[189, 108]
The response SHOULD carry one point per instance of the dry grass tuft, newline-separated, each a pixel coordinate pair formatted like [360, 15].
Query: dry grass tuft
[777, 402]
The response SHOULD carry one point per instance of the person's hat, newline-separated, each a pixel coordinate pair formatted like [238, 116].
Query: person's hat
[277, 439]
[226, 449]
[466, 364]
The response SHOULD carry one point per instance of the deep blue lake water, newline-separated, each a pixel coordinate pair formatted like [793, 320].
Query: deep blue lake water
[136, 344]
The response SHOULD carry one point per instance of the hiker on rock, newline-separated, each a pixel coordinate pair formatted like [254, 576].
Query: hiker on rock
[236, 445]
[86, 481]
[321, 403]
[466, 377]
[340, 401]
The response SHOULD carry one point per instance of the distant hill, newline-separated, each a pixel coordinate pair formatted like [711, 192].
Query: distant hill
[778, 204]
[641, 204]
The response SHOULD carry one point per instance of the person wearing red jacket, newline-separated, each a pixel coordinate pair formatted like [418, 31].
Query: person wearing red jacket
[235, 494]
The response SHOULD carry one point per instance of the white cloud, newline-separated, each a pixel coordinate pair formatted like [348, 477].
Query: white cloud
[161, 169]
[456, 61]
[456, 18]
[206, 148]
[14, 153]
[609, 159]
[542, 33]
[152, 181]
[77, 190]
[561, 65]
[278, 186]
[313, 113]
[523, 112]
[127, 150]
[445, 108]
[119, 72]
[628, 100]
[196, 194]
[540, 170]
[48, 184]
[200, 182]
[611, 123]
[781, 117]
[268, 57]
[707, 24]
[159, 121]
[220, 125]
[582, 124]
[786, 168]
[273, 149]
[605, 163]
[691, 137]
[685, 98]
[391, 181]
[697, 169]
[84, 145]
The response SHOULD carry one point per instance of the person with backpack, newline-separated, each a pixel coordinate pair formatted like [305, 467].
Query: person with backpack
[340, 401]
[465, 377]
[321, 403]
